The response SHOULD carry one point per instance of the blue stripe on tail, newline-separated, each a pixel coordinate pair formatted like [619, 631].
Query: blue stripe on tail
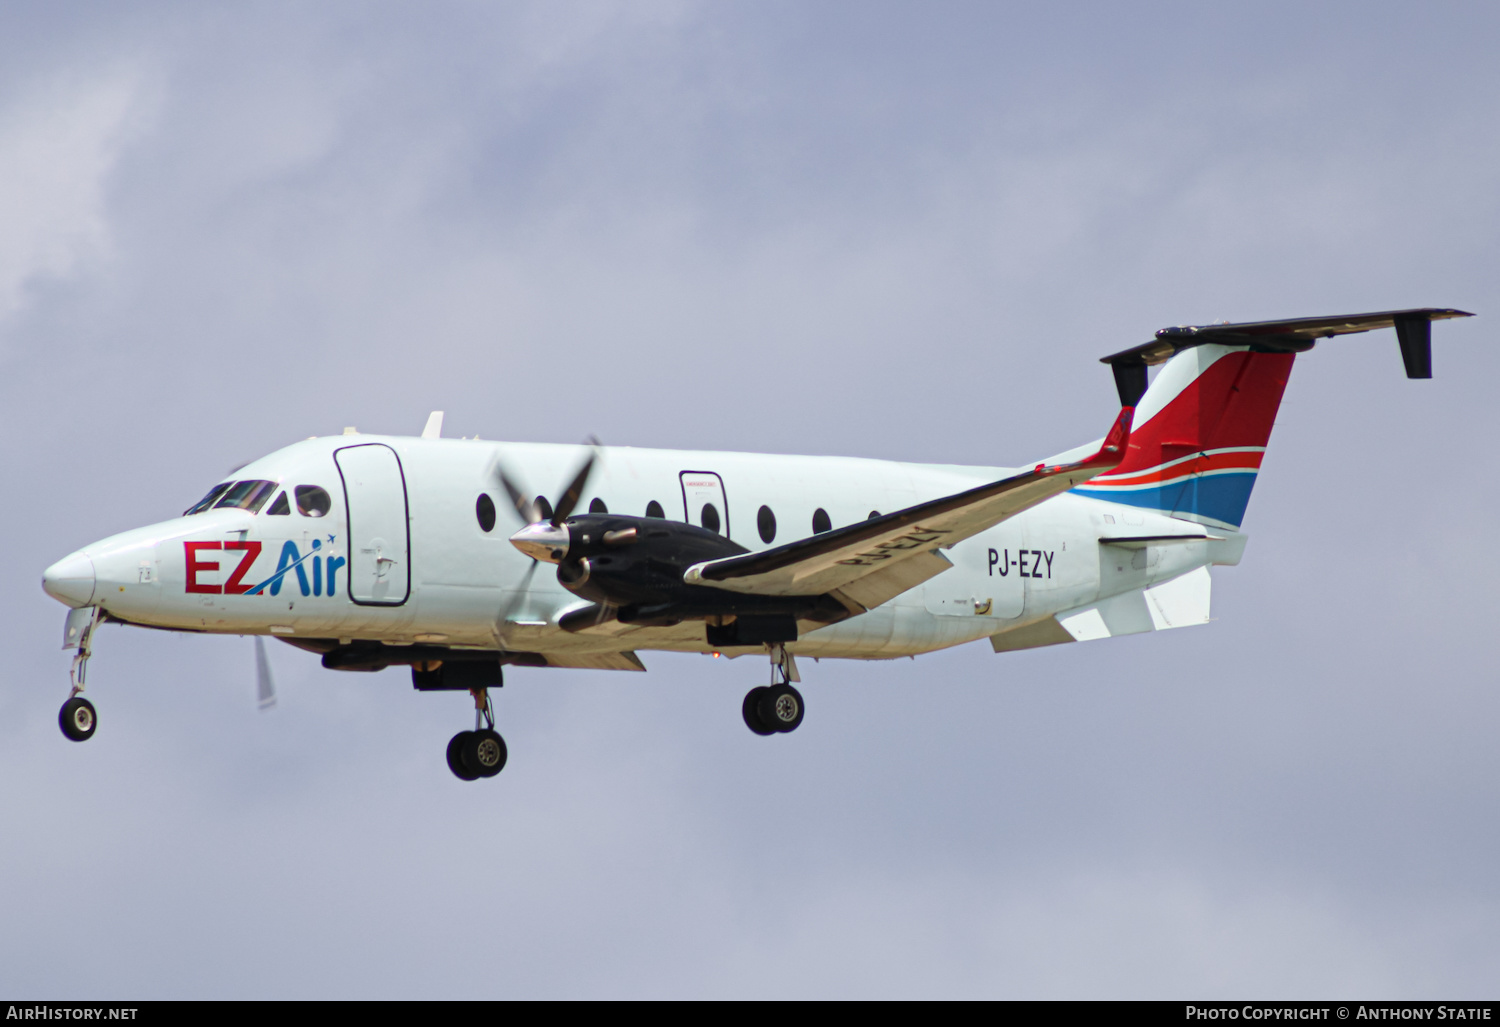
[1218, 497]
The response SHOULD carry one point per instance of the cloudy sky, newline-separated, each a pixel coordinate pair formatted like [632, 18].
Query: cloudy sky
[857, 228]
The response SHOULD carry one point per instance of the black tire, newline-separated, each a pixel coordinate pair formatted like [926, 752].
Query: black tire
[750, 709]
[455, 757]
[483, 753]
[78, 719]
[781, 708]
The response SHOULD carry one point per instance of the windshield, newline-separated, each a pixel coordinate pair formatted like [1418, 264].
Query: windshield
[247, 495]
[208, 500]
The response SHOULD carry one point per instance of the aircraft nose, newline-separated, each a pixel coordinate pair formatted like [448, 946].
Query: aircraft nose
[70, 580]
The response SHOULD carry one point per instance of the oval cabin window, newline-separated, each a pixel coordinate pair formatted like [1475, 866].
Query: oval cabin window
[484, 511]
[766, 522]
[710, 517]
[653, 509]
[821, 523]
[597, 506]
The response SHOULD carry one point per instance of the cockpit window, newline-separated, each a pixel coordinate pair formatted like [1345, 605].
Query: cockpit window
[280, 508]
[247, 495]
[208, 500]
[313, 501]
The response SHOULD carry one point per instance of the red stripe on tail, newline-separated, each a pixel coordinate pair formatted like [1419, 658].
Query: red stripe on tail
[1233, 403]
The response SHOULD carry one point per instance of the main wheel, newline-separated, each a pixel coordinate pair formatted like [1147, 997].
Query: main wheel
[78, 719]
[483, 753]
[455, 757]
[750, 710]
[781, 708]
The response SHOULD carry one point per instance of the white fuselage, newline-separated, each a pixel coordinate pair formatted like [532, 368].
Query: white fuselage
[454, 583]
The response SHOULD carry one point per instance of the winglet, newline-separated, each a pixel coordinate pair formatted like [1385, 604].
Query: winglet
[434, 429]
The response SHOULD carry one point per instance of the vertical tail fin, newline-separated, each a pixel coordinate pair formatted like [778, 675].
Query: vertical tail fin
[1202, 426]
[1201, 430]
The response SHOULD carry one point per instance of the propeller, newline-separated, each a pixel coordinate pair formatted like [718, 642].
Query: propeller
[265, 687]
[542, 532]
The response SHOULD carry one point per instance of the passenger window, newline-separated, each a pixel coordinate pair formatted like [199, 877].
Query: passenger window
[247, 495]
[280, 507]
[766, 522]
[208, 500]
[710, 517]
[653, 509]
[874, 514]
[543, 508]
[597, 506]
[313, 501]
[484, 509]
[821, 523]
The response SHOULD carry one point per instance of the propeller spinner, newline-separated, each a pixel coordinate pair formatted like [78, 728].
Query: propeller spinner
[544, 538]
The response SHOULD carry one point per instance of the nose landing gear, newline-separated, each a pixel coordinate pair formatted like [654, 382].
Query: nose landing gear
[77, 717]
[481, 752]
[778, 707]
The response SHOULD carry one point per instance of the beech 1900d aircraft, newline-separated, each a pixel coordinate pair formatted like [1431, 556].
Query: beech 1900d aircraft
[378, 551]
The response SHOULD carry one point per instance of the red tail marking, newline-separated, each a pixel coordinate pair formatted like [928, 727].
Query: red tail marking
[1233, 403]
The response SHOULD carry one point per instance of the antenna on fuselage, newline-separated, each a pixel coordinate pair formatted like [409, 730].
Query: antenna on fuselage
[434, 429]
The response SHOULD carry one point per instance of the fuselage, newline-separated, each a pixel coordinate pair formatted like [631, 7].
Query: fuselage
[405, 540]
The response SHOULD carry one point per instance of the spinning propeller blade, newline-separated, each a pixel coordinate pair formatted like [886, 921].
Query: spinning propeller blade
[574, 492]
[518, 595]
[525, 509]
[265, 687]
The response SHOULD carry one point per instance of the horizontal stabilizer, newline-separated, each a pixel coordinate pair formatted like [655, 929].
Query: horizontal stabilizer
[1293, 335]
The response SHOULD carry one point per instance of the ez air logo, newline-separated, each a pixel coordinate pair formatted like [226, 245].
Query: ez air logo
[323, 578]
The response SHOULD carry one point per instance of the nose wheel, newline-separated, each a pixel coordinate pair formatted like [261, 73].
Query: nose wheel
[778, 707]
[78, 719]
[481, 752]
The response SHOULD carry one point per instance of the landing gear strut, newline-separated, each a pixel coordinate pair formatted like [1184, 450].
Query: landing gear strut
[77, 717]
[481, 752]
[777, 707]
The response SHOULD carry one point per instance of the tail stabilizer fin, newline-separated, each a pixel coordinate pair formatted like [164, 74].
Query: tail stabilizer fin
[1201, 431]
[1202, 426]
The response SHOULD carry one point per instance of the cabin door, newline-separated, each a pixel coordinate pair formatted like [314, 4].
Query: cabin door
[379, 539]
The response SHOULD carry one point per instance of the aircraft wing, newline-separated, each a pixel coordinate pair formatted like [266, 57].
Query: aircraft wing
[867, 563]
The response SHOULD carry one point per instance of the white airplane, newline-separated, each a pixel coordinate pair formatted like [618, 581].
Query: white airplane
[376, 551]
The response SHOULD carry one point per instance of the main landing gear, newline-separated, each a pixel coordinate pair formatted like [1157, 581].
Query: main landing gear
[77, 717]
[775, 708]
[481, 752]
